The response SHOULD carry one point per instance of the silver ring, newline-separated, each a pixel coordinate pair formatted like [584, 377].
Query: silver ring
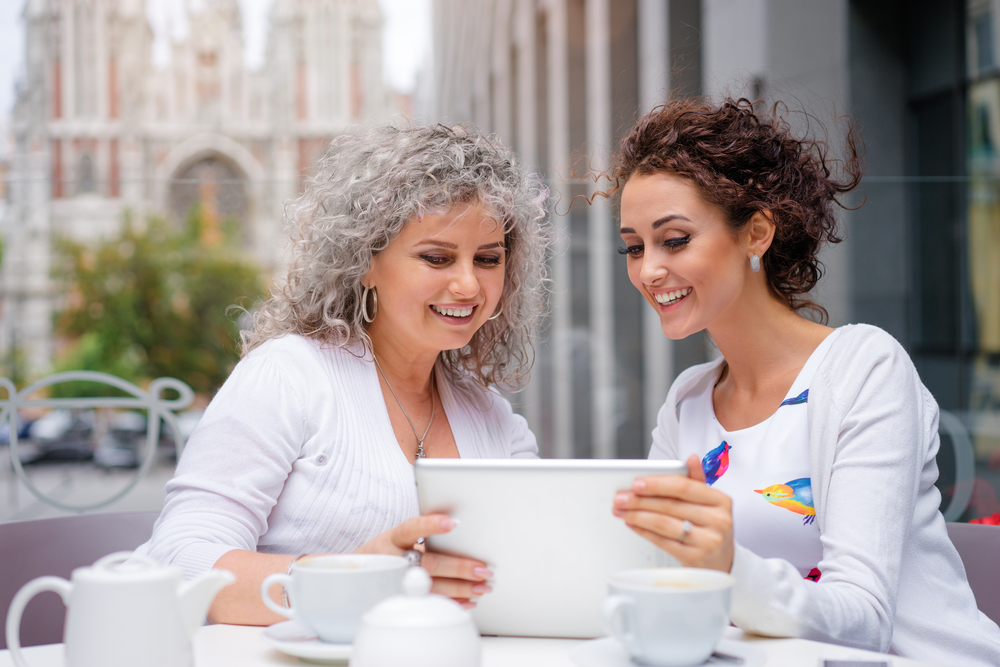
[412, 557]
[686, 529]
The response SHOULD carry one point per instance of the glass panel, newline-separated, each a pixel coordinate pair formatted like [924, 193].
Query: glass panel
[980, 411]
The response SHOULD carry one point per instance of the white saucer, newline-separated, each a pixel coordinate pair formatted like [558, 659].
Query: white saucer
[291, 638]
[608, 652]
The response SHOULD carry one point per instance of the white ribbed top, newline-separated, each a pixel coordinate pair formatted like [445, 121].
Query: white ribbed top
[296, 454]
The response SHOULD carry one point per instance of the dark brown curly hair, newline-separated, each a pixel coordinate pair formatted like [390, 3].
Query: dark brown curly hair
[746, 161]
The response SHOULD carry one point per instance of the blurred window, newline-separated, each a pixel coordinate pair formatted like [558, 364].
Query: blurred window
[85, 175]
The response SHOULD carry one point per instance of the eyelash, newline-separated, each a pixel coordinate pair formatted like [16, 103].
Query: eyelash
[437, 260]
[675, 243]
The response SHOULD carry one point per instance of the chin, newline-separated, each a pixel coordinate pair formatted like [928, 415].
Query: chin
[677, 333]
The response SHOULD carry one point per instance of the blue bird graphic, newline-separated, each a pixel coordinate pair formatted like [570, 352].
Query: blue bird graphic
[716, 463]
[798, 400]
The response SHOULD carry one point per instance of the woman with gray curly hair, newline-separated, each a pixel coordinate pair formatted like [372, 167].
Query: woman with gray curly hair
[414, 283]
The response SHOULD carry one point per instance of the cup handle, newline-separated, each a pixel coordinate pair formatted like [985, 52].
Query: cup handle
[20, 601]
[615, 615]
[265, 586]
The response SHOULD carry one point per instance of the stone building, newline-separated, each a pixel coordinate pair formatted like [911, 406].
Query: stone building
[100, 130]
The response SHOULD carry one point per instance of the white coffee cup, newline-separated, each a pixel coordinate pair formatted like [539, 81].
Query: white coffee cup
[329, 594]
[668, 616]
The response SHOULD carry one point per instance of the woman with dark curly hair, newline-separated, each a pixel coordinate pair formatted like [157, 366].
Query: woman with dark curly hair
[810, 450]
[415, 278]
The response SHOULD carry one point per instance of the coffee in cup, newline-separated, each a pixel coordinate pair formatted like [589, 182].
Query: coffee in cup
[329, 594]
[668, 616]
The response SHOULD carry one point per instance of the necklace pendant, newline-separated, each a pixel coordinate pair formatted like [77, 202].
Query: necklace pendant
[420, 450]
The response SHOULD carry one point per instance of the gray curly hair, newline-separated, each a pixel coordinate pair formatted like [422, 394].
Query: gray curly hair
[371, 183]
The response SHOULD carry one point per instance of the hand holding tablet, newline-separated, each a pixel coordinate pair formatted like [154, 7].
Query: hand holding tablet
[545, 529]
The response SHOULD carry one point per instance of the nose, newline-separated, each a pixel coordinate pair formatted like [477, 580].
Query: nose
[464, 281]
[653, 269]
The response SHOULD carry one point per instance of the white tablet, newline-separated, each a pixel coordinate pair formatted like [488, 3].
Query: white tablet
[545, 528]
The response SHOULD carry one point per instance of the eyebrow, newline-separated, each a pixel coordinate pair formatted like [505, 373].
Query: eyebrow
[452, 246]
[656, 224]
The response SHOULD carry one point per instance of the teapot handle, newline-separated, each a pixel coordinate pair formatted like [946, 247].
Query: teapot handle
[20, 601]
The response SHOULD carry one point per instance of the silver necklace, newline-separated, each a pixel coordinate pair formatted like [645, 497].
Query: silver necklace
[420, 439]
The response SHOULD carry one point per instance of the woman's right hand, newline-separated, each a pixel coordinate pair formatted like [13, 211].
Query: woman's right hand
[463, 579]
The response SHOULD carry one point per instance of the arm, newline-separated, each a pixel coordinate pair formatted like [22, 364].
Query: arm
[240, 603]
[523, 443]
[870, 425]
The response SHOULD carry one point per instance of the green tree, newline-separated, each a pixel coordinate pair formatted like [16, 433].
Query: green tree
[156, 301]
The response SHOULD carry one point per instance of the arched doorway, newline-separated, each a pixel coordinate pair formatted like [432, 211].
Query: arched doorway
[219, 187]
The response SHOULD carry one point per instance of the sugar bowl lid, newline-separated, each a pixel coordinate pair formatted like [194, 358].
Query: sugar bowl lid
[417, 607]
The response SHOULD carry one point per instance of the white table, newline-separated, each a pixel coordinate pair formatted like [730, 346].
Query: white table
[240, 646]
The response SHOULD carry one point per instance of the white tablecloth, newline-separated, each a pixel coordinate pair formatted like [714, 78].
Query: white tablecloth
[239, 646]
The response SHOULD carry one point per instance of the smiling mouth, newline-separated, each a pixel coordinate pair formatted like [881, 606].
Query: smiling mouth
[457, 313]
[670, 298]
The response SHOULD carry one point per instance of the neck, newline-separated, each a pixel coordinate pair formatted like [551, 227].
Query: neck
[405, 369]
[763, 338]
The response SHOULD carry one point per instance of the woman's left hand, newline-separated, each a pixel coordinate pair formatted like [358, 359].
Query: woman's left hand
[683, 516]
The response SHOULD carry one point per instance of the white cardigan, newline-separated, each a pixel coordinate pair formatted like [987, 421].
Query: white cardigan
[892, 580]
[296, 454]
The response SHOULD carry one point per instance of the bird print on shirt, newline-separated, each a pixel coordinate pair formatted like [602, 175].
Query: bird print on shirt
[795, 496]
[716, 463]
[797, 400]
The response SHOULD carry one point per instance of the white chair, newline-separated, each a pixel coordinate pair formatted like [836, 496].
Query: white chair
[979, 547]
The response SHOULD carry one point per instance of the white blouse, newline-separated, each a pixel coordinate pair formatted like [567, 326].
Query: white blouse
[296, 454]
[764, 469]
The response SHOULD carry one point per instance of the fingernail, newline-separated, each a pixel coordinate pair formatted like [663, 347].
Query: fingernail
[468, 604]
[482, 573]
[639, 485]
[617, 512]
[449, 523]
[621, 499]
[481, 589]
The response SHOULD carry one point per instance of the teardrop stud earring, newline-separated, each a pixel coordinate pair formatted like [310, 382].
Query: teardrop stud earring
[754, 263]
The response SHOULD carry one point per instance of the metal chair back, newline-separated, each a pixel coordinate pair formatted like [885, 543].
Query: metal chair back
[156, 406]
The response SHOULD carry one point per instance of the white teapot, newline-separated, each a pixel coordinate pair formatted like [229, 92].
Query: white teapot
[417, 629]
[124, 614]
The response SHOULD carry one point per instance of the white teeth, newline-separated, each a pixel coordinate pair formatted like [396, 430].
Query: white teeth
[454, 312]
[670, 297]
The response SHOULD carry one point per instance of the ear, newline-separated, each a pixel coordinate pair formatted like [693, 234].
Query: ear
[759, 233]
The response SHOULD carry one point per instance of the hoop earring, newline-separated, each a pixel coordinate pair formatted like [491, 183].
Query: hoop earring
[364, 304]
[754, 263]
[496, 314]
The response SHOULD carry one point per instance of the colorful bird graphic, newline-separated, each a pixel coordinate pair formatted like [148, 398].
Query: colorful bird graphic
[801, 398]
[716, 463]
[796, 496]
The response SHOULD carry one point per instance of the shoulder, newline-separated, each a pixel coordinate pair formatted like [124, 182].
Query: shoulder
[861, 350]
[865, 342]
[667, 426]
[299, 354]
[865, 359]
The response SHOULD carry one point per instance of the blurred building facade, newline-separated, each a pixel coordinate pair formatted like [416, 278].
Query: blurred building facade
[99, 130]
[562, 80]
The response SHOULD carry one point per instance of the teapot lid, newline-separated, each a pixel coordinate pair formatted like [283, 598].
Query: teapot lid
[126, 566]
[417, 607]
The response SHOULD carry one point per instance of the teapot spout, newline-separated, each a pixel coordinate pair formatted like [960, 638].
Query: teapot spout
[196, 596]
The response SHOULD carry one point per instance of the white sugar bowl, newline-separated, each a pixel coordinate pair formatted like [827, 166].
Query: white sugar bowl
[417, 629]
